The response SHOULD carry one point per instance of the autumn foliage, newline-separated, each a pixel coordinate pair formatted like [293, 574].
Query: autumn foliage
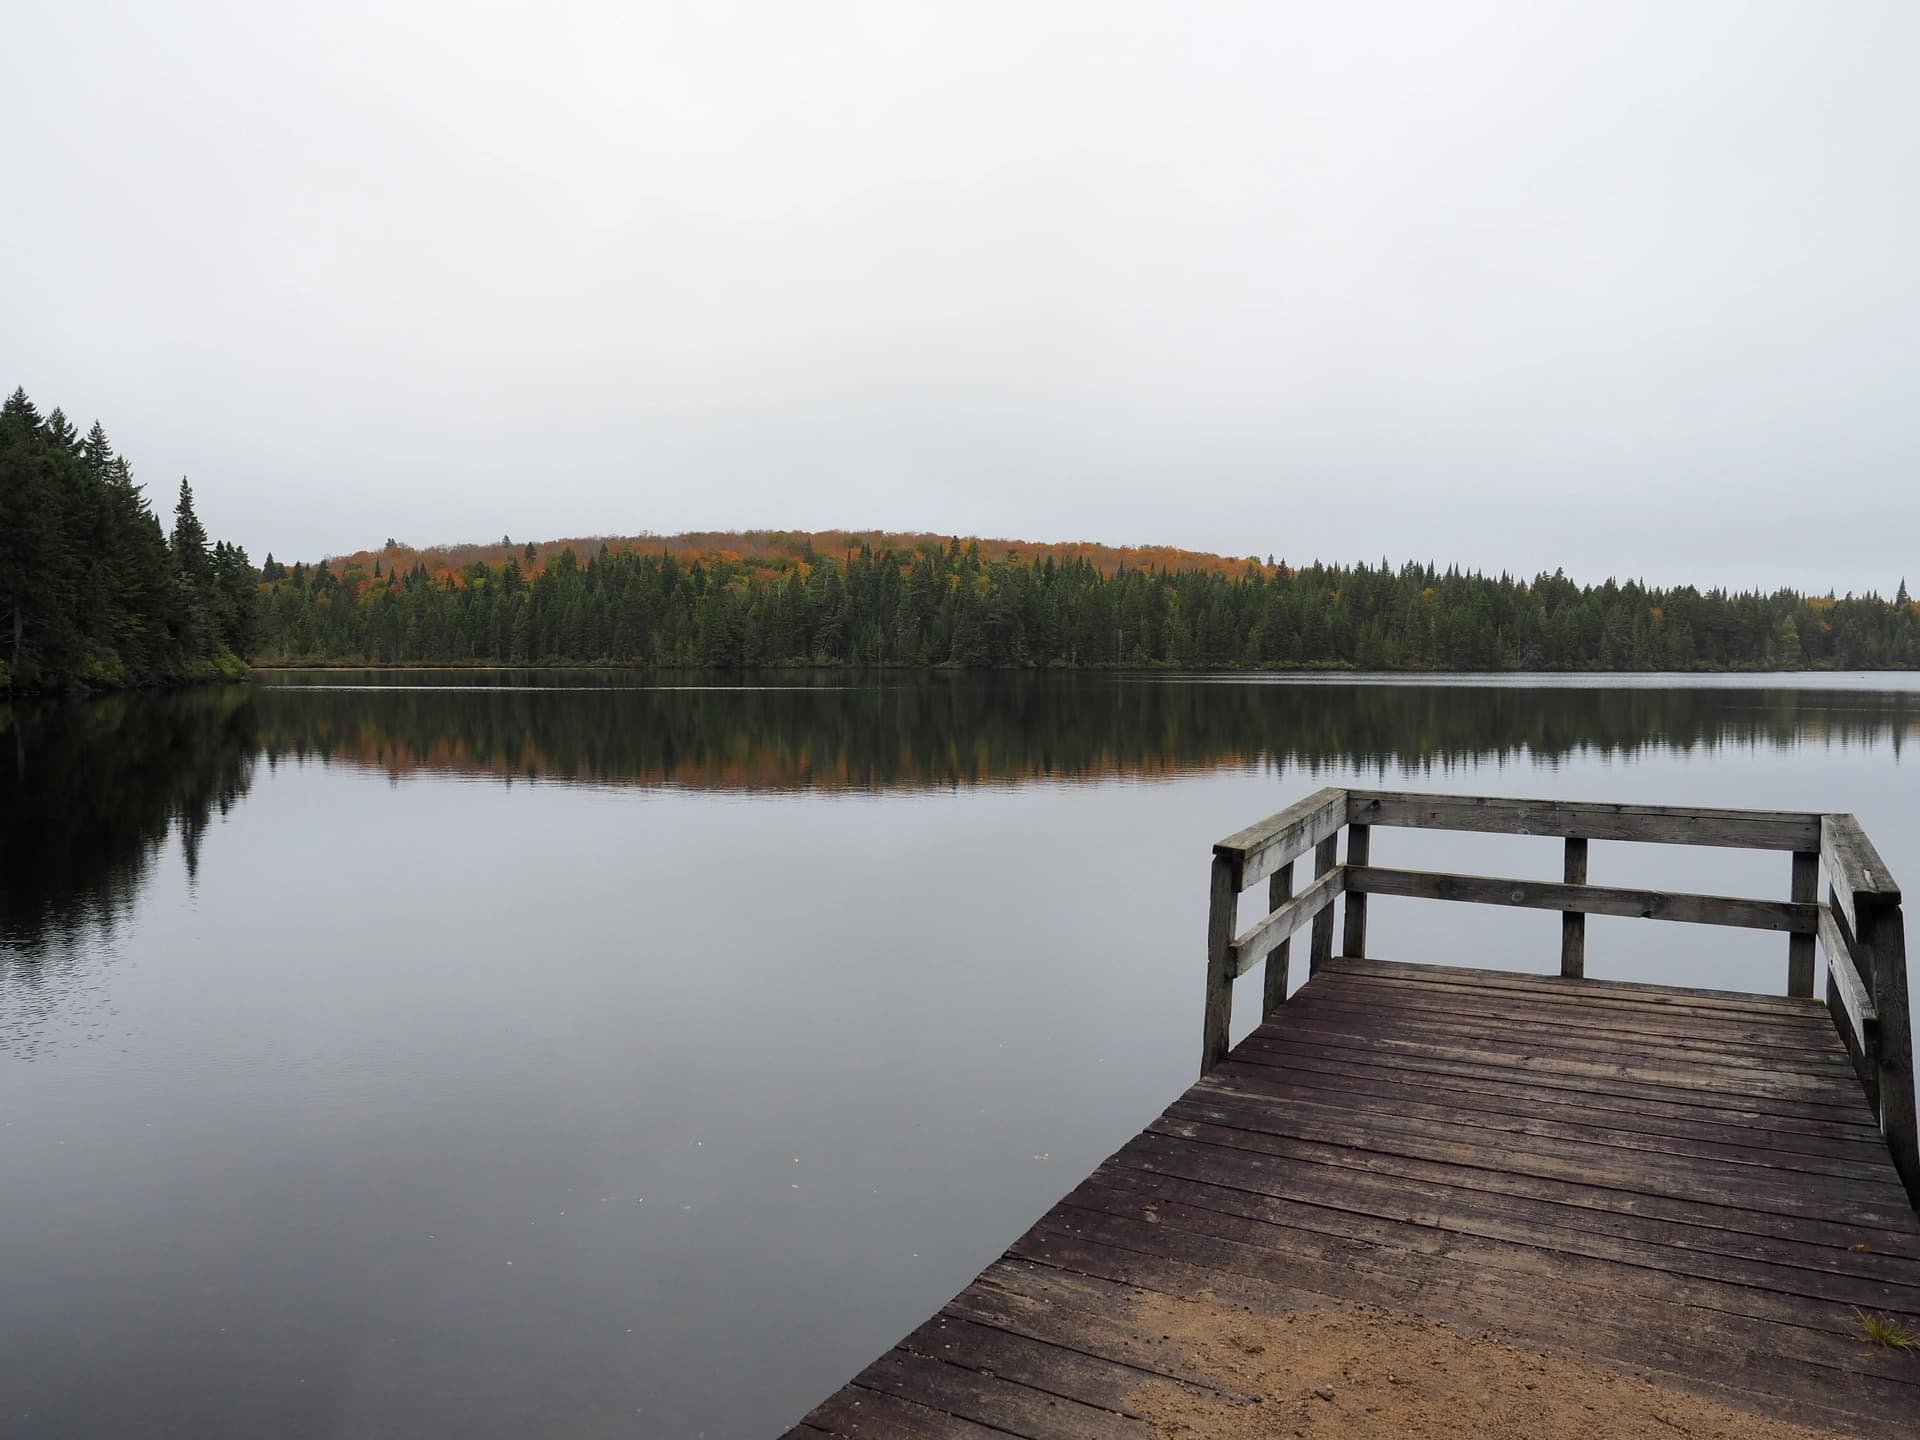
[769, 553]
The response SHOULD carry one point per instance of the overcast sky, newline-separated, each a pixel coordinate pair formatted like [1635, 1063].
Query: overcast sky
[1633, 290]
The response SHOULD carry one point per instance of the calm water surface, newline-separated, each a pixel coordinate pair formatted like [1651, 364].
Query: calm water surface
[495, 1055]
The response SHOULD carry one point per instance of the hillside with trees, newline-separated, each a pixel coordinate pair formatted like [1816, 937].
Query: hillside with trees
[776, 599]
[93, 593]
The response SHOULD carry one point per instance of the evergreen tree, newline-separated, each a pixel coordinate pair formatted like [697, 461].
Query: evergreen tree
[189, 536]
[97, 453]
[90, 591]
[61, 434]
[947, 604]
[20, 409]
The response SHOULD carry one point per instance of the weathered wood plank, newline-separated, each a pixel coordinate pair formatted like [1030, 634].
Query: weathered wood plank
[1389, 1251]
[1251, 947]
[1858, 1022]
[1353, 939]
[1854, 866]
[1819, 1097]
[1106, 1335]
[1428, 1199]
[1273, 987]
[1800, 947]
[1738, 1032]
[1339, 1055]
[1614, 1327]
[1039, 1364]
[1386, 1085]
[1882, 940]
[1490, 1241]
[1588, 899]
[1557, 989]
[1554, 1331]
[1342, 1012]
[1280, 839]
[994, 1402]
[1566, 819]
[1715, 1213]
[1222, 914]
[1759, 1111]
[1320, 945]
[1876, 1208]
[1520, 1117]
[1573, 924]
[1673, 1169]
[856, 1413]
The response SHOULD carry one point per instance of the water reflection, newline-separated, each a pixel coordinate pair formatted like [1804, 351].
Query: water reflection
[498, 1108]
[965, 730]
[89, 792]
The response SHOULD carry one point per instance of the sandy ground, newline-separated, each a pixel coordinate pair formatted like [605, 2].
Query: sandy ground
[1364, 1372]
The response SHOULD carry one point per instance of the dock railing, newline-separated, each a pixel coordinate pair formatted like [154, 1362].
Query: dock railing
[1859, 926]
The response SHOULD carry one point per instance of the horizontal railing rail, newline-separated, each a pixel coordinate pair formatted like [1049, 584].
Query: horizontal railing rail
[1859, 927]
[1585, 820]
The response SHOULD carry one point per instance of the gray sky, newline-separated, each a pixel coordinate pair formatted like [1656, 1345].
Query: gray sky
[1632, 289]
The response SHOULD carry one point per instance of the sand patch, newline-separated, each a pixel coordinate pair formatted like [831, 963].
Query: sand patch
[1367, 1372]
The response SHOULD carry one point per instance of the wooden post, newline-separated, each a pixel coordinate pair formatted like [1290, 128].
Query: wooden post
[1573, 924]
[1222, 911]
[1806, 889]
[1353, 940]
[1325, 856]
[1861, 1049]
[1882, 945]
[1279, 891]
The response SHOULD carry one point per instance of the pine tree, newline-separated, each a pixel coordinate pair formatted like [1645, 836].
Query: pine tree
[97, 453]
[189, 536]
[60, 432]
[19, 408]
[90, 593]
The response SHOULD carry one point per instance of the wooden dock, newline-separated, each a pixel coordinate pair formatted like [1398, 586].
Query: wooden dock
[1706, 1188]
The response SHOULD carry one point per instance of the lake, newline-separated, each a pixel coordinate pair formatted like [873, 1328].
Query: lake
[576, 1054]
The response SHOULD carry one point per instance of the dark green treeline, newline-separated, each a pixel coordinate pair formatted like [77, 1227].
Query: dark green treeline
[951, 606]
[92, 592]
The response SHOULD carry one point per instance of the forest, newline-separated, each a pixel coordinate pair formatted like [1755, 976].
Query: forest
[930, 602]
[93, 593]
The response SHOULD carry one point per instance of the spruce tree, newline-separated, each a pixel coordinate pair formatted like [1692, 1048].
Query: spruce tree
[189, 536]
[19, 408]
[97, 453]
[60, 432]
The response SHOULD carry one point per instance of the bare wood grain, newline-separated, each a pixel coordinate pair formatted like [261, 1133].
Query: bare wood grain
[1273, 988]
[1588, 899]
[1353, 939]
[1659, 824]
[1573, 925]
[1251, 947]
[1325, 860]
[1261, 849]
[1800, 947]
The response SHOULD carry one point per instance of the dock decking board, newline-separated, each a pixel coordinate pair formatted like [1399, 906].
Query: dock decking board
[1668, 1181]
